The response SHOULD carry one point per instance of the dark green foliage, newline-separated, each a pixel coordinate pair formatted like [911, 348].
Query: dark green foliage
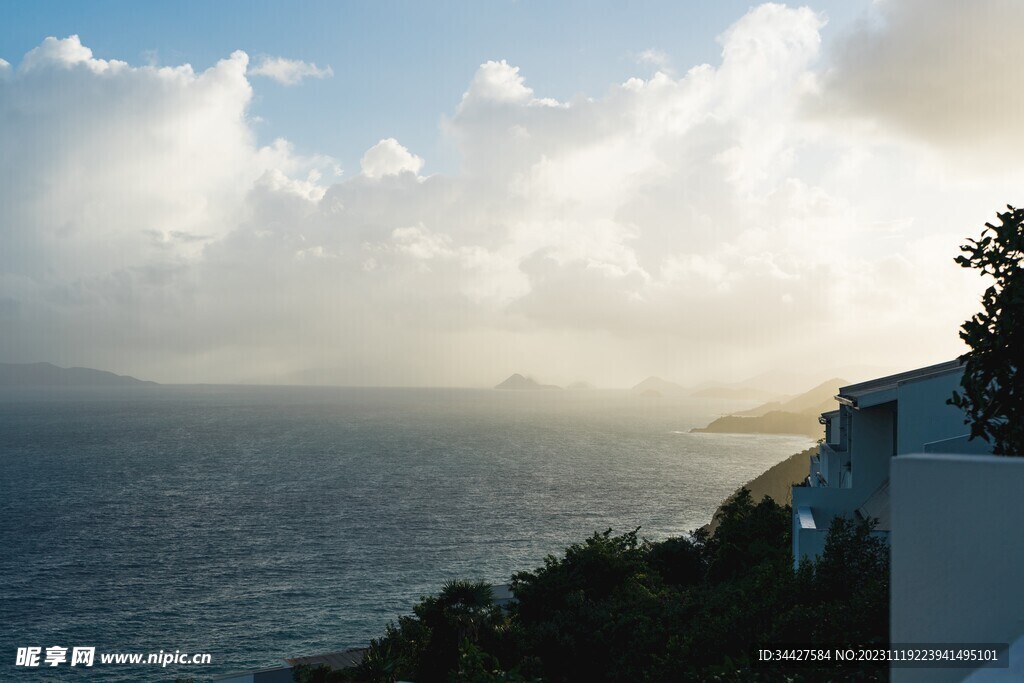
[476, 666]
[843, 598]
[851, 586]
[382, 662]
[615, 608]
[591, 570]
[993, 386]
[678, 561]
[439, 636]
[591, 615]
[746, 589]
[748, 535]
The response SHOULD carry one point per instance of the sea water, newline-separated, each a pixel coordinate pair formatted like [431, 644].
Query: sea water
[257, 523]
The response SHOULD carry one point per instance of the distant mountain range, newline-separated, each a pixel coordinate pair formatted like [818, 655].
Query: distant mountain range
[656, 386]
[798, 415]
[517, 382]
[790, 381]
[49, 375]
[735, 393]
[817, 401]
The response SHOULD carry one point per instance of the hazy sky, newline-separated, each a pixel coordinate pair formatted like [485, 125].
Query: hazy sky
[445, 193]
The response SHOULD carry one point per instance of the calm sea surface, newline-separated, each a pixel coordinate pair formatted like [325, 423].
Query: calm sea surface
[257, 523]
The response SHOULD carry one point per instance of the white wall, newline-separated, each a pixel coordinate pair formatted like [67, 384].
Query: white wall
[957, 557]
[871, 447]
[924, 415]
[826, 503]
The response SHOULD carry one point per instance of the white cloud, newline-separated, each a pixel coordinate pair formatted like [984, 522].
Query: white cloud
[690, 226]
[388, 157]
[420, 243]
[288, 71]
[66, 53]
[106, 155]
[498, 82]
[657, 58]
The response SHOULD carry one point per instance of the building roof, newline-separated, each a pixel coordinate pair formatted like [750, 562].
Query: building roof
[826, 416]
[343, 659]
[280, 674]
[883, 389]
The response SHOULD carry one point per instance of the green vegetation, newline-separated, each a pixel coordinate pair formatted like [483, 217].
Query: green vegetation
[776, 482]
[619, 608]
[797, 415]
[993, 383]
[774, 422]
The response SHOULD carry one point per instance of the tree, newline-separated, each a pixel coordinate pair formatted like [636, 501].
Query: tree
[993, 386]
[428, 645]
[591, 615]
[748, 534]
[620, 610]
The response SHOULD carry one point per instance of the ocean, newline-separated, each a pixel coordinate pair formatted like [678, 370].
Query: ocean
[257, 523]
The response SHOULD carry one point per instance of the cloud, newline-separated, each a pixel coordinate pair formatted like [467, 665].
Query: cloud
[388, 157]
[657, 58]
[67, 53]
[497, 83]
[116, 179]
[943, 72]
[697, 226]
[288, 71]
[107, 155]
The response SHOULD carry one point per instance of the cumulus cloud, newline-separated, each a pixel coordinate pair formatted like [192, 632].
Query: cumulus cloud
[696, 226]
[498, 82]
[388, 157]
[107, 155]
[288, 71]
[67, 53]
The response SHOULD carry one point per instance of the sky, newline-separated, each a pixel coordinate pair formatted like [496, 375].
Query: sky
[441, 194]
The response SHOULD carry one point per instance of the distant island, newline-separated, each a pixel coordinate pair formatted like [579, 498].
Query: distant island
[798, 415]
[655, 387]
[517, 382]
[49, 375]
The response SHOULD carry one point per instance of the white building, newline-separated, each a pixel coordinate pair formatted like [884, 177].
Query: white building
[876, 421]
[957, 553]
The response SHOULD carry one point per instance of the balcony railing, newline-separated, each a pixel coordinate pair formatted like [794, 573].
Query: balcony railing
[832, 463]
[832, 447]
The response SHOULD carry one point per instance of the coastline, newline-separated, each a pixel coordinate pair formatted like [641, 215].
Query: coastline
[776, 482]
